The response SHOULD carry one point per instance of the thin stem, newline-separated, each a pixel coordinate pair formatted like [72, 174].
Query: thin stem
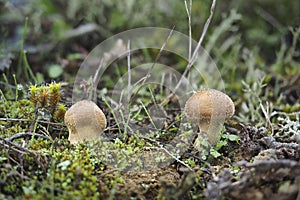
[16, 90]
[195, 53]
[96, 79]
[148, 114]
[173, 156]
[189, 12]
[113, 113]
[144, 79]
[129, 71]
[26, 135]
[28, 66]
[3, 96]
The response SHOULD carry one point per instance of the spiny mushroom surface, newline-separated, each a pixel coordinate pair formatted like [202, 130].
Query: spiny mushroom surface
[209, 108]
[85, 121]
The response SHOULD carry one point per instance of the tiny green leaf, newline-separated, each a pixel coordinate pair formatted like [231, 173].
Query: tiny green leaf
[54, 71]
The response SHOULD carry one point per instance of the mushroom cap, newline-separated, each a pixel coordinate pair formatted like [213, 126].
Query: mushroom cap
[207, 104]
[85, 120]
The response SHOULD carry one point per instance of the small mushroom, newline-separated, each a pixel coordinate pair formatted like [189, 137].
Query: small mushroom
[209, 108]
[85, 121]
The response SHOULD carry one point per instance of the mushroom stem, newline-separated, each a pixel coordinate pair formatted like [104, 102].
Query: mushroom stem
[213, 132]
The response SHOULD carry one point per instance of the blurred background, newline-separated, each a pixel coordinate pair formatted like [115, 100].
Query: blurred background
[59, 34]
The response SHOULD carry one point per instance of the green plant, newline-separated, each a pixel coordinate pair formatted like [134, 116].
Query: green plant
[59, 113]
[18, 87]
[48, 97]
[253, 109]
[16, 116]
[209, 152]
[23, 59]
[54, 96]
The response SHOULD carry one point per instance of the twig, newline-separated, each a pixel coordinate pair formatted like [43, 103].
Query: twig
[174, 157]
[144, 79]
[15, 119]
[113, 113]
[80, 30]
[266, 114]
[189, 13]
[113, 103]
[147, 113]
[19, 149]
[212, 8]
[30, 120]
[95, 79]
[195, 53]
[269, 18]
[129, 71]
[25, 135]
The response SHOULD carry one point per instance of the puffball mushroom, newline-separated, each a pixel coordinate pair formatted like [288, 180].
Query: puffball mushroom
[85, 121]
[209, 108]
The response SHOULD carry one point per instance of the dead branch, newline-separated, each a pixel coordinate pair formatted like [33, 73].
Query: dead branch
[195, 53]
[26, 135]
[15, 147]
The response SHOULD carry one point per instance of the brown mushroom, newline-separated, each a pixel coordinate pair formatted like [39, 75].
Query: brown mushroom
[85, 121]
[209, 108]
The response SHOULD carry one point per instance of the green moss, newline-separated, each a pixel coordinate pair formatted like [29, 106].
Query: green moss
[39, 144]
[17, 114]
[70, 175]
[21, 109]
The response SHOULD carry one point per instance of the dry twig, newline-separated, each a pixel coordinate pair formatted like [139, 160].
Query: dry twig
[195, 53]
[26, 135]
